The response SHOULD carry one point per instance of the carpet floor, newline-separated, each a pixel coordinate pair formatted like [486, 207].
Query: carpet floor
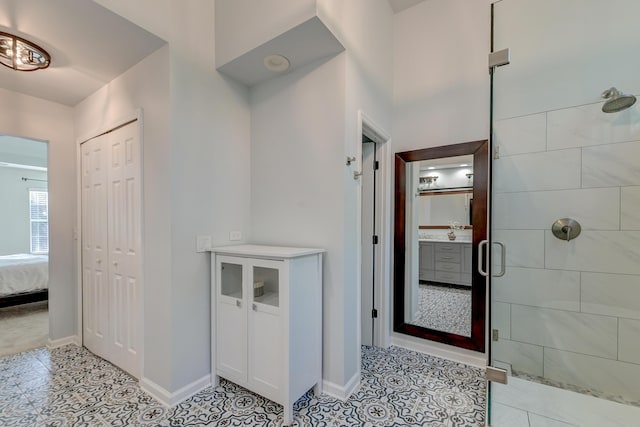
[23, 327]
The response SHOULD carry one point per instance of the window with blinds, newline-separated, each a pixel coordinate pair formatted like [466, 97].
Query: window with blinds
[39, 221]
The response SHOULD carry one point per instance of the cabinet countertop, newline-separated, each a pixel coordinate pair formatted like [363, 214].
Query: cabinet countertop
[443, 241]
[266, 251]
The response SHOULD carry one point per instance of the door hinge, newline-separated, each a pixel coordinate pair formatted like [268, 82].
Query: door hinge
[495, 334]
[375, 239]
[496, 375]
[376, 165]
[499, 58]
[374, 313]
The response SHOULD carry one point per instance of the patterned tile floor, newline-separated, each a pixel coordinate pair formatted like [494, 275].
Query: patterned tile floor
[69, 386]
[444, 308]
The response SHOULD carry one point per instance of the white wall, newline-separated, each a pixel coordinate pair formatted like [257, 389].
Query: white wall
[441, 84]
[146, 86]
[23, 151]
[441, 79]
[303, 125]
[30, 117]
[14, 215]
[365, 29]
[210, 169]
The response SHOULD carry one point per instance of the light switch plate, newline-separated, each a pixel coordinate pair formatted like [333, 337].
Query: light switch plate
[235, 235]
[203, 243]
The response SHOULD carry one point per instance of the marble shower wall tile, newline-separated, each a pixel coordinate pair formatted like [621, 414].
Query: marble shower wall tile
[540, 288]
[629, 347]
[610, 294]
[630, 208]
[611, 165]
[501, 319]
[595, 251]
[507, 416]
[564, 330]
[554, 170]
[597, 209]
[586, 125]
[540, 421]
[520, 135]
[525, 248]
[609, 376]
[523, 358]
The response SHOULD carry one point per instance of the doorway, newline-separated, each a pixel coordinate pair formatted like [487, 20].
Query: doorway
[24, 246]
[374, 234]
[370, 238]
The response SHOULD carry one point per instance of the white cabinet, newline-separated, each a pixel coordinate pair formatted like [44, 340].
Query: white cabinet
[267, 320]
[446, 262]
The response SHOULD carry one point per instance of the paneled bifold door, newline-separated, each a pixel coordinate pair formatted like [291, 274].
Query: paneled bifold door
[111, 242]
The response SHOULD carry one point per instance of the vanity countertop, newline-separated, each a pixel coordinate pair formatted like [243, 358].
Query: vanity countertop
[444, 241]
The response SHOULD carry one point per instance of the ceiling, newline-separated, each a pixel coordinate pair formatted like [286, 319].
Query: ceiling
[400, 5]
[89, 46]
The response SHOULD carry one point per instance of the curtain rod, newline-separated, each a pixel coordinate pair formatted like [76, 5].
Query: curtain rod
[33, 179]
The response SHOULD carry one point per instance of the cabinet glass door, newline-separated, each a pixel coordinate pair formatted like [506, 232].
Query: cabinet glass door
[266, 285]
[231, 280]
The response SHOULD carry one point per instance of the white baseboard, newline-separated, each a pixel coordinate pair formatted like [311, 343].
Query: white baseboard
[171, 399]
[74, 339]
[443, 351]
[341, 392]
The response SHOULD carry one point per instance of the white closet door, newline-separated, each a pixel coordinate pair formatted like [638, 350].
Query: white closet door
[124, 205]
[111, 242]
[95, 257]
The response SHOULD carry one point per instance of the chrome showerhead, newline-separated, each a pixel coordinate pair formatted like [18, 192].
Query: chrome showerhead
[616, 101]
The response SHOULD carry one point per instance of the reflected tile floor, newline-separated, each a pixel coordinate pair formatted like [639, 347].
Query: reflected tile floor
[69, 386]
[444, 308]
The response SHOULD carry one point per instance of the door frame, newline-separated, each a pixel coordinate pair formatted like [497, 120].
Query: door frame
[133, 116]
[383, 254]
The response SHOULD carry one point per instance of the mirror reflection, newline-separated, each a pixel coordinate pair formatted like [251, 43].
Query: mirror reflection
[440, 228]
[439, 234]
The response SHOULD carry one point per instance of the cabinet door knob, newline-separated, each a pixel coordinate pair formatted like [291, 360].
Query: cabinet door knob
[254, 307]
[238, 303]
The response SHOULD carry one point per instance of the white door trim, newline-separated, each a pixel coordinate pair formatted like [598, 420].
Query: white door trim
[383, 271]
[136, 115]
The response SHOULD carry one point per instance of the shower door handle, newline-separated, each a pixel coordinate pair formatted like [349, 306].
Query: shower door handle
[503, 258]
[481, 248]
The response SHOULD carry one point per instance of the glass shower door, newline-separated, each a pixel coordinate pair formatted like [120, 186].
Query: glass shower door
[565, 317]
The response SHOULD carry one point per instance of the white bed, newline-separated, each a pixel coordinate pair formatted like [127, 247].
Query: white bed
[20, 273]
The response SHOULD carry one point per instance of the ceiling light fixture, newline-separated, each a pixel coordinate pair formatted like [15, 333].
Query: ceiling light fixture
[276, 63]
[22, 55]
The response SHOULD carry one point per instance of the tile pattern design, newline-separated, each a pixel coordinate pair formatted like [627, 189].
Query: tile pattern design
[69, 386]
[445, 309]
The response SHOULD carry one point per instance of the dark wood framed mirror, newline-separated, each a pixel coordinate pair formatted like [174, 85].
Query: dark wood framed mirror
[436, 272]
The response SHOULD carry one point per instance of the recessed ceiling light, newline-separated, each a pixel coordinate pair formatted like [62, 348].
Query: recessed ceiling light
[431, 167]
[276, 63]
